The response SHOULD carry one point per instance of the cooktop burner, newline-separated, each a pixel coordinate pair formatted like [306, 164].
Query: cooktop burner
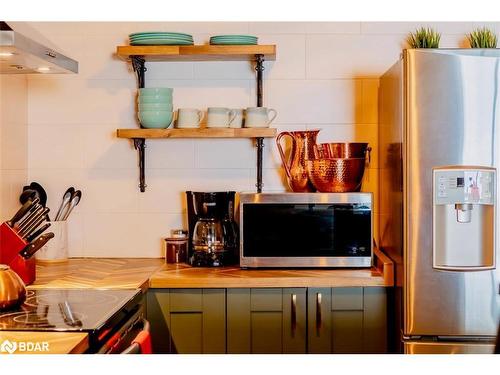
[66, 310]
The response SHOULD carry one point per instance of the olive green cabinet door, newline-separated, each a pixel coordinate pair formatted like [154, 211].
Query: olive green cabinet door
[266, 320]
[188, 321]
[347, 320]
[319, 320]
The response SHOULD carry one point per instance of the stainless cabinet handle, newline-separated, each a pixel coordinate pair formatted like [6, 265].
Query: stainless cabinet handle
[294, 314]
[318, 314]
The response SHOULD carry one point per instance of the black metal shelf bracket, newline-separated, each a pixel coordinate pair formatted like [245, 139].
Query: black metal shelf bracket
[140, 146]
[139, 66]
[259, 68]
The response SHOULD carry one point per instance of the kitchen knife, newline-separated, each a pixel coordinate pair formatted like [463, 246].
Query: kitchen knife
[30, 237]
[30, 217]
[35, 222]
[33, 247]
[29, 230]
[21, 212]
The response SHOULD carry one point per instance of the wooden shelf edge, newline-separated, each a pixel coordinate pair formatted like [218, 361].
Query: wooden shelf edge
[203, 52]
[197, 133]
[385, 265]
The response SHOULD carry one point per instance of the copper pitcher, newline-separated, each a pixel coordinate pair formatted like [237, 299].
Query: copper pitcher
[295, 167]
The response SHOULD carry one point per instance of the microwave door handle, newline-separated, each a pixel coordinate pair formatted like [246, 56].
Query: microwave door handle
[318, 314]
[294, 314]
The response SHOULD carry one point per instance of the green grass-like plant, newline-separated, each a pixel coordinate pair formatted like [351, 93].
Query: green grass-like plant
[482, 38]
[424, 38]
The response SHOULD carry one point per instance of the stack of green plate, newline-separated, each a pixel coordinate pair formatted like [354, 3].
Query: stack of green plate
[233, 39]
[160, 38]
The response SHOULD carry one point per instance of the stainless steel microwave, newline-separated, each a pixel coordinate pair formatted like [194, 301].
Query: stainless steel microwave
[306, 230]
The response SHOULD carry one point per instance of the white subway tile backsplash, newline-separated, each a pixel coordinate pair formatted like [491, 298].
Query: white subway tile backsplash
[277, 28]
[407, 27]
[333, 27]
[224, 153]
[75, 235]
[111, 190]
[314, 101]
[73, 101]
[13, 95]
[224, 70]
[327, 55]
[114, 234]
[102, 149]
[171, 153]
[56, 146]
[290, 56]
[13, 140]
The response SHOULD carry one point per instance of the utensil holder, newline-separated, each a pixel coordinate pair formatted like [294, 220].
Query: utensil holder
[56, 250]
[11, 245]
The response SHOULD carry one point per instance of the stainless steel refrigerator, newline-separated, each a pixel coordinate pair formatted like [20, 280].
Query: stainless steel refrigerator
[439, 118]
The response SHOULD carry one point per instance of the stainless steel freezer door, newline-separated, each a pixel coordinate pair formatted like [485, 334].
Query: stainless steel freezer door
[451, 118]
[419, 347]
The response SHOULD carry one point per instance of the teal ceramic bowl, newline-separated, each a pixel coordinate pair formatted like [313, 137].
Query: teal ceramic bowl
[163, 99]
[148, 91]
[156, 107]
[155, 119]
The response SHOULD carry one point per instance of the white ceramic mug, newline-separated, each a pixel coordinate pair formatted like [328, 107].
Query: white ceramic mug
[238, 118]
[188, 118]
[56, 250]
[218, 117]
[258, 117]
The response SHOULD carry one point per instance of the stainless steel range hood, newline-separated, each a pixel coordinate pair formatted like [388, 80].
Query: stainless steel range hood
[20, 54]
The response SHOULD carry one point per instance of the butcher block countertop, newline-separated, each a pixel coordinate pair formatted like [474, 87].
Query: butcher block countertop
[44, 342]
[135, 273]
[183, 276]
[96, 273]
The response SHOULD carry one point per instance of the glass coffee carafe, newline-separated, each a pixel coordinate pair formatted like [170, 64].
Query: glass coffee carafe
[213, 235]
[208, 241]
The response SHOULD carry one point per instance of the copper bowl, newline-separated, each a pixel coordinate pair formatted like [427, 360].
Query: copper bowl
[342, 150]
[336, 175]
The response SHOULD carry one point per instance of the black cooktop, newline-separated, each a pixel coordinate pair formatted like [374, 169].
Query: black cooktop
[70, 310]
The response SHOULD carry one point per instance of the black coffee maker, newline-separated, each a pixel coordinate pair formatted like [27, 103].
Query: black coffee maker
[213, 233]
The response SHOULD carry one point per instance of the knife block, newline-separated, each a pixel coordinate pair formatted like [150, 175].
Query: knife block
[11, 245]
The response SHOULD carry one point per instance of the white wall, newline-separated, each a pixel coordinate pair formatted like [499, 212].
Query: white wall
[13, 142]
[325, 76]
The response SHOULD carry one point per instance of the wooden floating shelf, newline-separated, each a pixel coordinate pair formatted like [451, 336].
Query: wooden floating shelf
[197, 133]
[198, 52]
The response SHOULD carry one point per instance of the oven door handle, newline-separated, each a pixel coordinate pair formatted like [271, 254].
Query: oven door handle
[121, 333]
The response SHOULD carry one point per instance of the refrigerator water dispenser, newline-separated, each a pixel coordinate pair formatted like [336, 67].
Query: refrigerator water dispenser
[464, 219]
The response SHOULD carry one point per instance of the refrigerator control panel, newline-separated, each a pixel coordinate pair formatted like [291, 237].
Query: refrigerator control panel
[456, 185]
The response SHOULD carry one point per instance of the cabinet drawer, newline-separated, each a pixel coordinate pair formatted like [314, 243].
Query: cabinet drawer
[186, 300]
[347, 299]
[269, 299]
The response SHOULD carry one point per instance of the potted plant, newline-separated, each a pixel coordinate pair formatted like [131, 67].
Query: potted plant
[424, 38]
[482, 38]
